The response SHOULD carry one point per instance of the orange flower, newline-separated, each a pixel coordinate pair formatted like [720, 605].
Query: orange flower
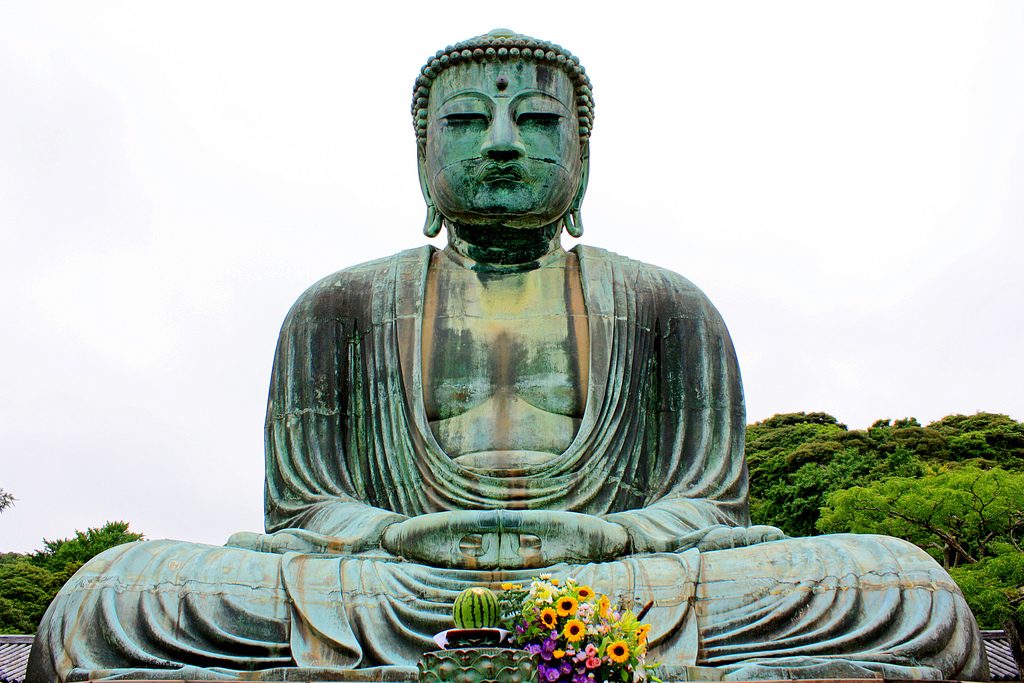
[548, 617]
[618, 651]
[604, 607]
[574, 630]
[641, 633]
[585, 592]
[566, 606]
[558, 654]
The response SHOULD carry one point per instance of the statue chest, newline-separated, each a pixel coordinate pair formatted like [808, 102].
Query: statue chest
[504, 362]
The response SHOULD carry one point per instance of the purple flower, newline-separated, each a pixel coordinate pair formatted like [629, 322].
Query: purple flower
[549, 673]
[533, 648]
[566, 667]
[550, 645]
[579, 678]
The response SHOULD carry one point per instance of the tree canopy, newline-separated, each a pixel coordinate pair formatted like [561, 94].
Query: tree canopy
[6, 500]
[28, 582]
[954, 487]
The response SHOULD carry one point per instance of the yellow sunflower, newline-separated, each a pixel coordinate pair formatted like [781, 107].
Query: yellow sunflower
[548, 617]
[566, 606]
[604, 607]
[641, 633]
[574, 630]
[618, 651]
[585, 592]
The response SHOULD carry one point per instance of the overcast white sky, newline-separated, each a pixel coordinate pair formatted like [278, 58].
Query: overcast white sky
[844, 180]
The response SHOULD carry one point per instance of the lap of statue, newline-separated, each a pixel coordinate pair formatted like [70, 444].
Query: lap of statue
[839, 606]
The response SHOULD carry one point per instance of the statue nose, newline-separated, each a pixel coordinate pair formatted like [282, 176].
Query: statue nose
[505, 153]
[503, 143]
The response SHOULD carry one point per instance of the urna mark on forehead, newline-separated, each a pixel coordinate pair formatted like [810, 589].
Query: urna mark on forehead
[499, 80]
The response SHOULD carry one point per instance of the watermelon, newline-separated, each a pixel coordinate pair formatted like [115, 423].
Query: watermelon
[476, 608]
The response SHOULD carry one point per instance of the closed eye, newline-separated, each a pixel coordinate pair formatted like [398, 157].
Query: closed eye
[538, 118]
[465, 117]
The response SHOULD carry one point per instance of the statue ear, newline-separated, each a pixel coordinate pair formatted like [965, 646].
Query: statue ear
[573, 219]
[432, 225]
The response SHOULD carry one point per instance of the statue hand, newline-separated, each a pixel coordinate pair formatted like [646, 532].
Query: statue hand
[721, 537]
[505, 539]
[285, 541]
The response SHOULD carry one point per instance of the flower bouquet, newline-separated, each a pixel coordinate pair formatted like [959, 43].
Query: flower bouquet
[575, 634]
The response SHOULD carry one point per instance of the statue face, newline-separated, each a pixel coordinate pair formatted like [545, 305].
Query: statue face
[503, 144]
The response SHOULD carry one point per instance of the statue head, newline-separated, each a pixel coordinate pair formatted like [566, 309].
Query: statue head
[502, 126]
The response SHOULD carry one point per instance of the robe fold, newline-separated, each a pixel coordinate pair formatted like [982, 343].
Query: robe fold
[349, 451]
[659, 450]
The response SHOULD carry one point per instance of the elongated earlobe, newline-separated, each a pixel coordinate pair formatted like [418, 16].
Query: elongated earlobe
[435, 221]
[432, 226]
[572, 221]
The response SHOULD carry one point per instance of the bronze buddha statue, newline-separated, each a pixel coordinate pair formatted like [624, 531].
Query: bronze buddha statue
[440, 419]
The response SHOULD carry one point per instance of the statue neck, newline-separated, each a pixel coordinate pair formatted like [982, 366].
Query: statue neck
[499, 248]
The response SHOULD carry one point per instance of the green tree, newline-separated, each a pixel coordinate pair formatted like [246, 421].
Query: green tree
[64, 553]
[28, 582]
[988, 436]
[955, 487]
[994, 587]
[25, 592]
[6, 500]
[797, 459]
[967, 517]
[959, 514]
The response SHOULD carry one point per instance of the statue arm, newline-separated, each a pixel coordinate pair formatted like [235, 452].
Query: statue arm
[315, 490]
[695, 408]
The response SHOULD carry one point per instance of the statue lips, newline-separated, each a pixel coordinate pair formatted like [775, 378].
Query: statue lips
[493, 172]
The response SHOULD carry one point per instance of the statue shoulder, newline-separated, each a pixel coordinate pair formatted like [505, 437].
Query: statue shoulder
[672, 294]
[348, 292]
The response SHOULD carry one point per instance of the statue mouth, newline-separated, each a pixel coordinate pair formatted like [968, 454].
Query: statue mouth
[497, 172]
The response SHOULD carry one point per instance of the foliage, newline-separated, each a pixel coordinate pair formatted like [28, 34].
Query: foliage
[955, 487]
[994, 588]
[25, 591]
[28, 582]
[797, 460]
[576, 633]
[62, 553]
[989, 436]
[960, 514]
[6, 500]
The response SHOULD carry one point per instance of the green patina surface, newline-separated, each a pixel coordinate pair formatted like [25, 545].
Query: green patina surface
[443, 419]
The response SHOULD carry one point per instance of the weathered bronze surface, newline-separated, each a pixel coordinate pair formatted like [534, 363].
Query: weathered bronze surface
[444, 419]
[477, 665]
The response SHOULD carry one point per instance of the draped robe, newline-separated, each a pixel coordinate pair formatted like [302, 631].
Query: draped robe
[349, 451]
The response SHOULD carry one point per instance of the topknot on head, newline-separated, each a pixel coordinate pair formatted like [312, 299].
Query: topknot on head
[503, 45]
